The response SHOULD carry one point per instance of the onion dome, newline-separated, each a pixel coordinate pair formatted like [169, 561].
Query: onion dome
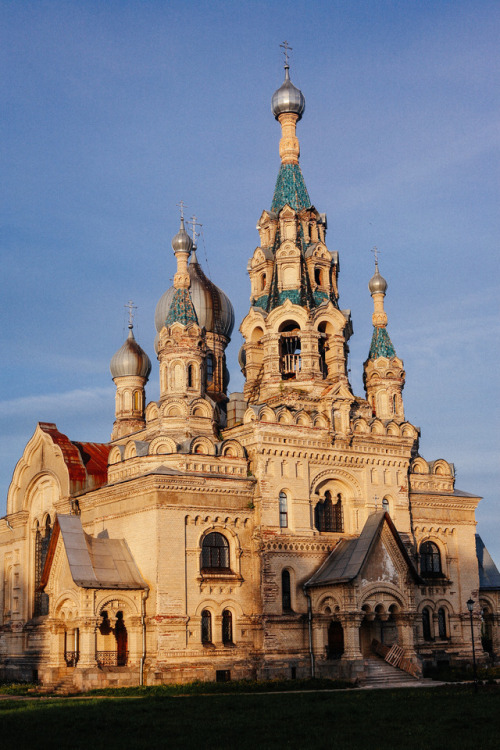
[288, 98]
[377, 283]
[213, 308]
[182, 242]
[130, 359]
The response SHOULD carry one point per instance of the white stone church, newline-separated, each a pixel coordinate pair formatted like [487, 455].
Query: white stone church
[287, 531]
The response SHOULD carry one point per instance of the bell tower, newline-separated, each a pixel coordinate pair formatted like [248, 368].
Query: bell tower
[295, 334]
[194, 320]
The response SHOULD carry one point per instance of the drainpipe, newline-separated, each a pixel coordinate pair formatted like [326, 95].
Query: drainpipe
[145, 595]
[309, 623]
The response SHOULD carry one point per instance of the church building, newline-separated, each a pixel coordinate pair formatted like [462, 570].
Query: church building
[291, 530]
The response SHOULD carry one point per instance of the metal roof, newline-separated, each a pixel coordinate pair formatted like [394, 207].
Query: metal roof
[94, 562]
[489, 577]
[347, 559]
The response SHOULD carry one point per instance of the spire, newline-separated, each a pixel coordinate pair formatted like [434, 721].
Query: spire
[181, 308]
[381, 345]
[288, 105]
[384, 376]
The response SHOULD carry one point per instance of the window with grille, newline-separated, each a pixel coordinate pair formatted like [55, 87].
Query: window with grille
[328, 515]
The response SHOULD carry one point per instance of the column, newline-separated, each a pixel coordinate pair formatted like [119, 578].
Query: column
[351, 622]
[87, 642]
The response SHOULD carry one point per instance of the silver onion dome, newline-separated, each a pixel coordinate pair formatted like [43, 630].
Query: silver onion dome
[130, 359]
[288, 98]
[377, 283]
[213, 308]
[182, 242]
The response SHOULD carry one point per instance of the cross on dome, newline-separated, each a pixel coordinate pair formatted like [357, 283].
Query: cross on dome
[131, 307]
[286, 47]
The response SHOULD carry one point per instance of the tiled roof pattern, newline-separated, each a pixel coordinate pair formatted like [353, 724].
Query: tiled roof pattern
[290, 189]
[181, 309]
[381, 345]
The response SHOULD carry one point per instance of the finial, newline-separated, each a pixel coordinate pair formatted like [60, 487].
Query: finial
[131, 307]
[194, 224]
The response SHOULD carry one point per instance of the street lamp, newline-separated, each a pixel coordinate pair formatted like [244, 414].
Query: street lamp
[470, 607]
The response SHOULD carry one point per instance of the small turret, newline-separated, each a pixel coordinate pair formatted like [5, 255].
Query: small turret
[130, 368]
[384, 376]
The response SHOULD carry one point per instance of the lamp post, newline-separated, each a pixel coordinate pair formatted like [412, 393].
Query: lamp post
[470, 607]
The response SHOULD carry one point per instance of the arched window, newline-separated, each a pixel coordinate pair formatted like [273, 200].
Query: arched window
[190, 376]
[430, 559]
[290, 350]
[317, 276]
[385, 504]
[206, 626]
[42, 539]
[394, 406]
[210, 368]
[263, 282]
[328, 516]
[283, 510]
[227, 627]
[286, 591]
[215, 552]
[426, 624]
[137, 400]
[442, 624]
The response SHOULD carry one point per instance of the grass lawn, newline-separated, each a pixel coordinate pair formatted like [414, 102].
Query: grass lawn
[412, 718]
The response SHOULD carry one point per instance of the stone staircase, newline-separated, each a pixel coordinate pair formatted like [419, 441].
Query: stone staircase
[379, 674]
[65, 685]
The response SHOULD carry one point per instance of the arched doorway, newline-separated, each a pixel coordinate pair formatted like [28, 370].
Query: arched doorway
[112, 639]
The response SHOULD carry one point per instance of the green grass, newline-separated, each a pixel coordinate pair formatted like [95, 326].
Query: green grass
[234, 686]
[413, 718]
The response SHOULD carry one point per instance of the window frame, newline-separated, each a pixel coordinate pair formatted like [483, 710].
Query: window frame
[430, 560]
[286, 591]
[283, 509]
[206, 627]
[215, 558]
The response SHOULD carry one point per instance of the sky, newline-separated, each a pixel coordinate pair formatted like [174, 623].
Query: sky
[112, 112]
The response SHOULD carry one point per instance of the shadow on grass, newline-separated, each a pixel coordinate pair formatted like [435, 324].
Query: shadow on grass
[413, 718]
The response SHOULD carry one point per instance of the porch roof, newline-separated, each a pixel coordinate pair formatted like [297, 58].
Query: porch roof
[345, 562]
[94, 562]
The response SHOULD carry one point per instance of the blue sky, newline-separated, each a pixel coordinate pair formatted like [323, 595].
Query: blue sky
[114, 111]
